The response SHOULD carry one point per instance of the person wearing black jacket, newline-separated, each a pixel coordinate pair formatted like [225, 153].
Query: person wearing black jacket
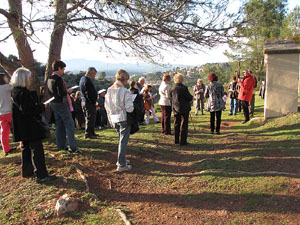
[62, 107]
[181, 107]
[27, 127]
[89, 97]
[138, 104]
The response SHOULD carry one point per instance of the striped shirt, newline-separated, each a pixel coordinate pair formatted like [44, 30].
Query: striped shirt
[118, 102]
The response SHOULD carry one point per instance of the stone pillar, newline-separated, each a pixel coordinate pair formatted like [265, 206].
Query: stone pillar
[282, 80]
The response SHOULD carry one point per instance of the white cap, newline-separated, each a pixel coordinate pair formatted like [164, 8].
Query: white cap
[101, 91]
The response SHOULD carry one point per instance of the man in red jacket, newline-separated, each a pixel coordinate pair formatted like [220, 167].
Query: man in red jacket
[245, 94]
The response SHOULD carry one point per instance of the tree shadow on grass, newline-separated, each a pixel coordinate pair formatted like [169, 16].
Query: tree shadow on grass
[250, 202]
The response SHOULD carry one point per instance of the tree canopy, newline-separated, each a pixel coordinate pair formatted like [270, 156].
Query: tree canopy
[264, 19]
[142, 27]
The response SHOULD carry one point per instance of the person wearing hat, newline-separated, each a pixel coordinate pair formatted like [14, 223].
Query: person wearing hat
[89, 97]
[101, 112]
[245, 94]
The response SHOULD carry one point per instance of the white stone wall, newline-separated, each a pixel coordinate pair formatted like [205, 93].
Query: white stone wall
[281, 84]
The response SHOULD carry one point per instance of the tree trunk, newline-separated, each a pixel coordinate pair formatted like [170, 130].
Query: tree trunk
[25, 53]
[57, 35]
[56, 43]
[7, 65]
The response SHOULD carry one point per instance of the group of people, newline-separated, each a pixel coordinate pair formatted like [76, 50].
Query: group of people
[240, 94]
[124, 109]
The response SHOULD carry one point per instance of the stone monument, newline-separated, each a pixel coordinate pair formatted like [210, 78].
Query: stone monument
[282, 77]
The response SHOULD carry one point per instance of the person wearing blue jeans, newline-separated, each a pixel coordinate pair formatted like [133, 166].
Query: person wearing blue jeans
[62, 107]
[64, 125]
[233, 94]
[233, 106]
[123, 130]
[119, 102]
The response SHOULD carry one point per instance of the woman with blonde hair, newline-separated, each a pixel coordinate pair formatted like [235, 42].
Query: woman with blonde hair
[181, 107]
[165, 104]
[118, 102]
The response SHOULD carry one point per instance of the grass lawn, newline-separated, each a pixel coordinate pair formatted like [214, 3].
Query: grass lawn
[247, 175]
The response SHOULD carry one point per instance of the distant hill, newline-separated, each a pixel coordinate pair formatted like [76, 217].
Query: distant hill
[76, 65]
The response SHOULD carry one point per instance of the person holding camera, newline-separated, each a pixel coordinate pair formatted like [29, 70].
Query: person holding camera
[246, 91]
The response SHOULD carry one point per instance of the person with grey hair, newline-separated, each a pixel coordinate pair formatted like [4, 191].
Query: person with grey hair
[88, 101]
[27, 127]
[118, 103]
[141, 84]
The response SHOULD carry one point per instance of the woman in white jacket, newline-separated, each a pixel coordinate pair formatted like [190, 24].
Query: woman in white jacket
[118, 102]
[165, 104]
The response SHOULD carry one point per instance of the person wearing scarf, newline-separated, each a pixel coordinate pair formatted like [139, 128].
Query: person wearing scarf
[62, 108]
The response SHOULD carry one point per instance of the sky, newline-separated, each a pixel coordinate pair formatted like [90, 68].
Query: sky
[79, 47]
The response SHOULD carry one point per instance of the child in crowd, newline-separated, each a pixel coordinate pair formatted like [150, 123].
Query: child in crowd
[148, 104]
[79, 112]
[101, 112]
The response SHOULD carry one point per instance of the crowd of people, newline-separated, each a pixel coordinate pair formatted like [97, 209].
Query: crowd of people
[118, 107]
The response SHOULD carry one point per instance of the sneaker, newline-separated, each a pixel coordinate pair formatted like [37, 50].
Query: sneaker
[245, 121]
[212, 132]
[127, 162]
[68, 149]
[124, 168]
[157, 122]
[218, 132]
[45, 179]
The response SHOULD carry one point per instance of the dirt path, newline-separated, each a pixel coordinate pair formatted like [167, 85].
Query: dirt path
[167, 188]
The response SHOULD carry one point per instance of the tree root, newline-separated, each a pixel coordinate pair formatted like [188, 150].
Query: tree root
[123, 217]
[83, 178]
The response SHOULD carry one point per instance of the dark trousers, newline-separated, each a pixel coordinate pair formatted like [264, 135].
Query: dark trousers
[101, 118]
[33, 159]
[252, 103]
[181, 122]
[217, 114]
[166, 119]
[199, 105]
[245, 106]
[89, 111]
[239, 105]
